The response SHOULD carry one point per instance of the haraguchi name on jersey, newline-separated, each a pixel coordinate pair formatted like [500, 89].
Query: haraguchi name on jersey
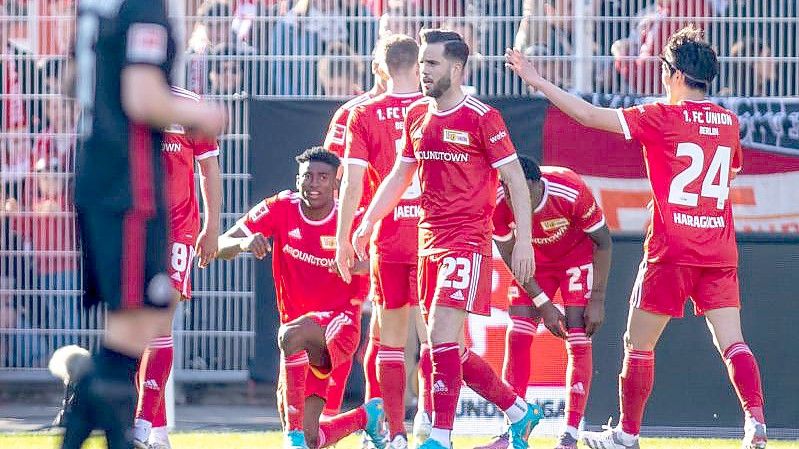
[442, 156]
[308, 258]
[699, 221]
[407, 211]
[171, 147]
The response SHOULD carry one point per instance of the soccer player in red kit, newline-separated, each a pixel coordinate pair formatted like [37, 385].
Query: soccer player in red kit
[319, 313]
[572, 252]
[335, 142]
[692, 150]
[180, 151]
[374, 137]
[460, 145]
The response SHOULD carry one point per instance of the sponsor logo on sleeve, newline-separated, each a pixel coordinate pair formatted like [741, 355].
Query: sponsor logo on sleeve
[498, 136]
[147, 43]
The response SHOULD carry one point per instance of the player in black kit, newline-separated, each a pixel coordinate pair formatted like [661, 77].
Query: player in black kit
[124, 53]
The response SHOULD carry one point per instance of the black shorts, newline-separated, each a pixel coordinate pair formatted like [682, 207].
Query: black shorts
[124, 259]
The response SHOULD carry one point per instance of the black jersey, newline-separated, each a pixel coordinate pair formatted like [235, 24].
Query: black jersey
[118, 167]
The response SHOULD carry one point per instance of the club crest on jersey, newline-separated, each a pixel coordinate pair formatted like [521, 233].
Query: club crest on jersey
[175, 129]
[456, 137]
[555, 223]
[328, 242]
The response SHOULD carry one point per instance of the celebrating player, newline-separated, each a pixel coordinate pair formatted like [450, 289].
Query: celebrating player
[335, 142]
[374, 134]
[124, 55]
[180, 150]
[572, 251]
[457, 143]
[692, 149]
[319, 312]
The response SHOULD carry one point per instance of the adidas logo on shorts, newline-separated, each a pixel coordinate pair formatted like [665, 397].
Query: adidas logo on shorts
[457, 296]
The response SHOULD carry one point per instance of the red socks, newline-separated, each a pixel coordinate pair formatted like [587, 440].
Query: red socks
[745, 377]
[425, 379]
[293, 372]
[447, 378]
[336, 386]
[479, 376]
[154, 368]
[391, 375]
[578, 375]
[370, 369]
[335, 429]
[518, 339]
[635, 384]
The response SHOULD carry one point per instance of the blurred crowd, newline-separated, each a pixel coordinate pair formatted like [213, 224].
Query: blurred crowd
[240, 48]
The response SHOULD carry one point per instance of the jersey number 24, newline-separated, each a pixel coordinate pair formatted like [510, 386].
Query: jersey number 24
[719, 168]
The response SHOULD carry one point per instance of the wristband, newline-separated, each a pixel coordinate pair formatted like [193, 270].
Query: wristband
[541, 299]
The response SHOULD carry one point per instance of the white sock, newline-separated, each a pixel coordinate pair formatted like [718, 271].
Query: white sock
[159, 435]
[572, 431]
[627, 438]
[517, 411]
[141, 430]
[441, 435]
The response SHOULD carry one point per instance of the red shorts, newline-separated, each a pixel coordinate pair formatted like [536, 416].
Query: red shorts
[181, 258]
[574, 284]
[394, 284]
[457, 279]
[342, 335]
[664, 288]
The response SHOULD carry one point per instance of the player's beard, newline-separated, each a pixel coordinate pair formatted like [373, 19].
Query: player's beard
[438, 88]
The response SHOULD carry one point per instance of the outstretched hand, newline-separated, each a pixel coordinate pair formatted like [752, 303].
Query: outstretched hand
[520, 65]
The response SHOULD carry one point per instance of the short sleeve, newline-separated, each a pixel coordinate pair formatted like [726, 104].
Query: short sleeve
[357, 139]
[503, 220]
[262, 217]
[496, 139]
[146, 33]
[637, 120]
[204, 148]
[407, 148]
[336, 137]
[587, 213]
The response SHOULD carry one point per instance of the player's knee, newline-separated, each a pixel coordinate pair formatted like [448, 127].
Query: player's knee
[628, 344]
[311, 439]
[287, 339]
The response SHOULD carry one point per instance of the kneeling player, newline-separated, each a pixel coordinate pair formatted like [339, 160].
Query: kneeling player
[320, 322]
[572, 252]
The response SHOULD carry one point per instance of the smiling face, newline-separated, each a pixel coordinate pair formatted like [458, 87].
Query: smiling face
[437, 70]
[316, 183]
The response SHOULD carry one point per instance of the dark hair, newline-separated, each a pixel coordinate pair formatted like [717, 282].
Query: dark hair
[688, 52]
[210, 10]
[530, 168]
[401, 52]
[454, 46]
[319, 154]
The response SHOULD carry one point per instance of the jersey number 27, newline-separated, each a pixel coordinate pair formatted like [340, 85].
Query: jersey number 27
[719, 168]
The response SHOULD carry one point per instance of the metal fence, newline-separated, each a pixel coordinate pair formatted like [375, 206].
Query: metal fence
[40, 286]
[306, 48]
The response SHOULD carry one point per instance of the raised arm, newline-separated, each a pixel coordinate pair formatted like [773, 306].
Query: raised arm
[580, 110]
[388, 195]
[522, 260]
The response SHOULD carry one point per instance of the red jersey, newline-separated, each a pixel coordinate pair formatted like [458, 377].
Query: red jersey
[375, 140]
[691, 150]
[336, 142]
[568, 212]
[303, 254]
[179, 151]
[458, 152]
